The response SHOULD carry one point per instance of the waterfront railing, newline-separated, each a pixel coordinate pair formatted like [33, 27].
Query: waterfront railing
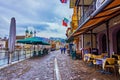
[18, 55]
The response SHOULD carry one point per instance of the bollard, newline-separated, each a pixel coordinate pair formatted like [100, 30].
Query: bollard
[30, 53]
[18, 55]
[25, 54]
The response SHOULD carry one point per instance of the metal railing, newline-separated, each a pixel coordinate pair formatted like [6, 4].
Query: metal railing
[91, 8]
[16, 56]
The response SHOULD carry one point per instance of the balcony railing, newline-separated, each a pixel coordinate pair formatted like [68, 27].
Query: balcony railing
[88, 12]
[94, 8]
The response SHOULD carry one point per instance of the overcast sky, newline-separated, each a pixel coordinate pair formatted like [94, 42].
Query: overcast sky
[44, 16]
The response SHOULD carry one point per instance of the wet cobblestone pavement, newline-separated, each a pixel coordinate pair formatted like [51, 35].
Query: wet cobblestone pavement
[42, 68]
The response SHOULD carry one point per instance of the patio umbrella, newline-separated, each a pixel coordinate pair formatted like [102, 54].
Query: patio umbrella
[33, 40]
[45, 43]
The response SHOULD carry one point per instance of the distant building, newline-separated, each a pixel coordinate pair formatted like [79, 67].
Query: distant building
[28, 34]
[3, 43]
[56, 43]
[18, 45]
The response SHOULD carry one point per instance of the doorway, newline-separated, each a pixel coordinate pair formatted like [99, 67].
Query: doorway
[104, 44]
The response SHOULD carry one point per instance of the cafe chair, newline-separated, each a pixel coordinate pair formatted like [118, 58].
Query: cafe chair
[97, 62]
[109, 63]
[91, 58]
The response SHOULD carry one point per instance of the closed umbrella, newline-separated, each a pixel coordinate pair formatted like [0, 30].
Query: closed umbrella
[12, 37]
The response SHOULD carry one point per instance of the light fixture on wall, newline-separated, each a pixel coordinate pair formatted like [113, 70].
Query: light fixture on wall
[116, 21]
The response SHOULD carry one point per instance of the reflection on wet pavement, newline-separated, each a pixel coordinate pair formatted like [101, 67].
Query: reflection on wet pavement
[43, 68]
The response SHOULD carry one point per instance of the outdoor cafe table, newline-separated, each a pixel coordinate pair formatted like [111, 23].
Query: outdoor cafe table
[100, 61]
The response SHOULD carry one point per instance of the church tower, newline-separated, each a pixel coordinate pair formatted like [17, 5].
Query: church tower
[26, 33]
[31, 34]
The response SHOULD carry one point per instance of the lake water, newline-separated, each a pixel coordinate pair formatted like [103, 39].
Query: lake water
[17, 55]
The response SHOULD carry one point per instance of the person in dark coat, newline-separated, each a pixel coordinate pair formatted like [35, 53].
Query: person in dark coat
[61, 49]
[64, 49]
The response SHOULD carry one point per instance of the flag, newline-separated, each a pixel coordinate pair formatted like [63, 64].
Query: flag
[65, 22]
[63, 1]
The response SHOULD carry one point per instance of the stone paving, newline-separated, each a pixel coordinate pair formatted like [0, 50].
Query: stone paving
[42, 68]
[39, 68]
[78, 70]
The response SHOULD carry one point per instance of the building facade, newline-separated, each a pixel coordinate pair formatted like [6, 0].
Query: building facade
[98, 26]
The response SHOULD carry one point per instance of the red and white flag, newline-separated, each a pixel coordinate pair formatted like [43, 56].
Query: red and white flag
[65, 22]
[63, 1]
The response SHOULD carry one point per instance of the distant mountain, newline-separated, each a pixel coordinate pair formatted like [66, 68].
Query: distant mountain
[43, 39]
[57, 39]
[51, 38]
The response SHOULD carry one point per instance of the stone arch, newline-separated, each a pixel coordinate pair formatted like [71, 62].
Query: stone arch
[114, 38]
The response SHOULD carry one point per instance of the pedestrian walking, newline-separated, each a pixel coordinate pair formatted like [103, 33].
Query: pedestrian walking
[61, 49]
[64, 49]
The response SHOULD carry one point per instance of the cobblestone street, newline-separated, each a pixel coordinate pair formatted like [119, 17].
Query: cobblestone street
[42, 68]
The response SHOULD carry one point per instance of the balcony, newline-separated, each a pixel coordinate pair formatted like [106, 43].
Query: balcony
[93, 7]
[89, 10]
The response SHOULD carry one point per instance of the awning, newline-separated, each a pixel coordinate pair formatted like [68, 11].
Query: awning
[110, 11]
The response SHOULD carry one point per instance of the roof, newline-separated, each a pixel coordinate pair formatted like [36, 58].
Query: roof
[20, 37]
